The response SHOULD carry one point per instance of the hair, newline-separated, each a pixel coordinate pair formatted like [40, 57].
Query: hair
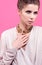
[22, 3]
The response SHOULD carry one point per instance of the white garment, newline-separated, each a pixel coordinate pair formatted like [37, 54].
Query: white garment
[32, 55]
[0, 43]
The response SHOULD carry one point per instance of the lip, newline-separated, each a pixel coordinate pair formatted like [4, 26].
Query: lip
[30, 21]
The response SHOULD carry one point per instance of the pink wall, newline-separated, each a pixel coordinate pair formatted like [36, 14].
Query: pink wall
[9, 17]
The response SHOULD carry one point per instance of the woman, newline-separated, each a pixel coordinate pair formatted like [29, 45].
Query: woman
[22, 45]
[0, 43]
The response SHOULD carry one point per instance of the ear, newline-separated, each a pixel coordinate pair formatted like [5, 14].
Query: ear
[19, 11]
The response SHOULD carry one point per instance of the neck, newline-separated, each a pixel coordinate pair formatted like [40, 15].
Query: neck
[23, 28]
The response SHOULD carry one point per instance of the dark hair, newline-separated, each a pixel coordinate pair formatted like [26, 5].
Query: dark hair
[22, 3]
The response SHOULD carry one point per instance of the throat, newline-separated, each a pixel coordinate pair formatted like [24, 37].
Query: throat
[27, 29]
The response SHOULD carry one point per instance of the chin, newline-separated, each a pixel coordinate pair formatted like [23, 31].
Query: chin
[28, 24]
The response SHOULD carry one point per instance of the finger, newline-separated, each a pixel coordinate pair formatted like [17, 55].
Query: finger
[25, 40]
[22, 36]
[26, 37]
[22, 42]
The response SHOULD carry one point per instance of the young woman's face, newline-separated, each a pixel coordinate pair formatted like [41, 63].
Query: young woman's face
[28, 14]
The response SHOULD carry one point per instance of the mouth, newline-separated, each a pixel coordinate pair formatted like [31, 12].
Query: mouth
[30, 22]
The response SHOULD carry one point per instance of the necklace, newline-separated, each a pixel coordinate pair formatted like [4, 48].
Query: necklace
[24, 31]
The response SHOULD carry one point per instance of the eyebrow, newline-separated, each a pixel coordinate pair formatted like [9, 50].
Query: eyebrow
[31, 11]
[36, 12]
[28, 11]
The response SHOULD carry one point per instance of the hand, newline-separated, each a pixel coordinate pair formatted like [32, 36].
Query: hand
[20, 41]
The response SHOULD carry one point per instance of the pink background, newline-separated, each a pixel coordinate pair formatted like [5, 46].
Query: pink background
[9, 16]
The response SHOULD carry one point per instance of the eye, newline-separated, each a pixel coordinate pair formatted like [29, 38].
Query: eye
[36, 12]
[28, 11]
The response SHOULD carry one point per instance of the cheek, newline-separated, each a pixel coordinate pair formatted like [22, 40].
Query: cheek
[25, 16]
[35, 17]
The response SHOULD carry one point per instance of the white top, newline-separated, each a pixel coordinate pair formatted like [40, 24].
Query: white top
[32, 55]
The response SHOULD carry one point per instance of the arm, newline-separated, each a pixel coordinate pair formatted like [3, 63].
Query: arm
[8, 57]
[8, 54]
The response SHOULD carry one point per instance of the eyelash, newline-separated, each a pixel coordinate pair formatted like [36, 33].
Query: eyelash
[31, 12]
[28, 11]
[35, 12]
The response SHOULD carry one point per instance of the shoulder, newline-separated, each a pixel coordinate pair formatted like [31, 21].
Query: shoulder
[8, 32]
[39, 31]
[39, 28]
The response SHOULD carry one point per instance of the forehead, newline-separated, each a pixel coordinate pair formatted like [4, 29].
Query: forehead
[31, 7]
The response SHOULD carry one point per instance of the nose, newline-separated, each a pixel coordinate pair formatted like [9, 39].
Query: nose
[32, 16]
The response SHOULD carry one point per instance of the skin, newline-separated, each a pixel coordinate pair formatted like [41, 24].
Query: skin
[27, 16]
